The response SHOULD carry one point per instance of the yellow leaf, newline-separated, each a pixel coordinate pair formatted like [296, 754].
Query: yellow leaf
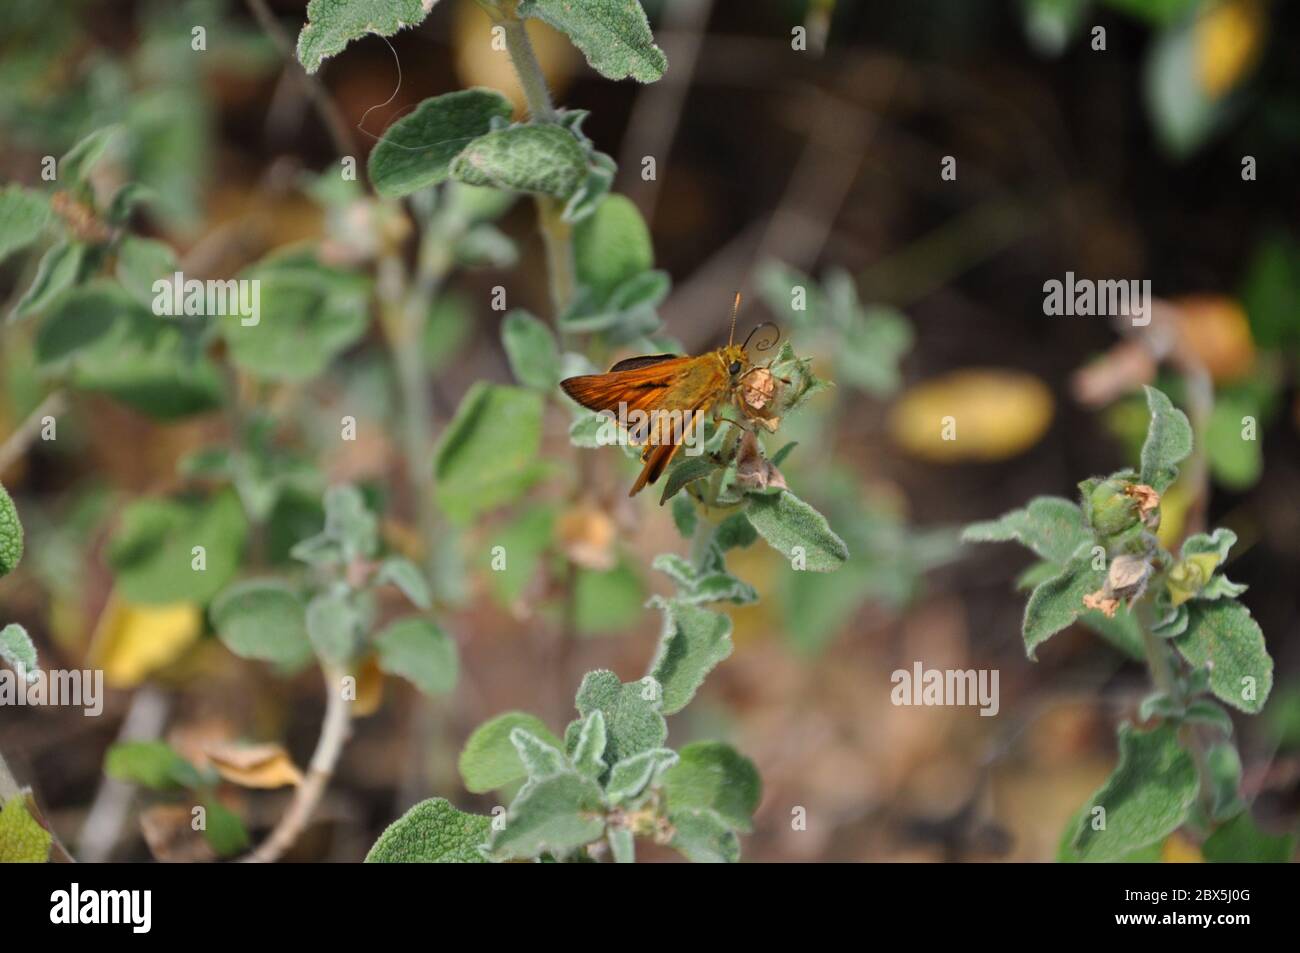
[1216, 330]
[1228, 39]
[22, 839]
[254, 766]
[1179, 850]
[1173, 515]
[370, 688]
[131, 642]
[974, 414]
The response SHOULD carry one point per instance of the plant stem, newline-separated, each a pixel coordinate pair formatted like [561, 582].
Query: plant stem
[16, 444]
[335, 729]
[557, 234]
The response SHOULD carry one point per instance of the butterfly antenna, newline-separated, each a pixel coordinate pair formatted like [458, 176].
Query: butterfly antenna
[735, 309]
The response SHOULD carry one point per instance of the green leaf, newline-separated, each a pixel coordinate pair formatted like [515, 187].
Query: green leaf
[532, 349]
[153, 764]
[614, 35]
[263, 619]
[489, 760]
[611, 246]
[633, 720]
[433, 832]
[544, 159]
[350, 523]
[407, 577]
[1051, 526]
[685, 516]
[1169, 441]
[152, 551]
[540, 759]
[874, 343]
[692, 642]
[686, 471]
[22, 838]
[1220, 544]
[56, 273]
[1055, 604]
[449, 326]
[629, 779]
[795, 529]
[333, 625]
[1223, 636]
[18, 651]
[307, 315]
[1223, 770]
[421, 653]
[416, 151]
[1205, 712]
[23, 215]
[224, 832]
[1147, 798]
[704, 837]
[556, 815]
[78, 162]
[589, 752]
[11, 533]
[699, 586]
[713, 775]
[140, 263]
[333, 24]
[488, 455]
[1241, 841]
[486, 246]
[1181, 112]
[1235, 461]
[98, 338]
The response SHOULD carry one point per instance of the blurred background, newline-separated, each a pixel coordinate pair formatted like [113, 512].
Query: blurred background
[774, 167]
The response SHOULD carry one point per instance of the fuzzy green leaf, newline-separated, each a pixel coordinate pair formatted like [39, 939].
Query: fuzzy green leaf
[78, 162]
[18, 651]
[22, 839]
[532, 349]
[23, 215]
[685, 471]
[556, 815]
[795, 529]
[416, 151]
[408, 578]
[11, 533]
[141, 262]
[589, 752]
[622, 845]
[630, 777]
[611, 246]
[307, 315]
[1055, 604]
[350, 523]
[1168, 442]
[153, 764]
[543, 159]
[714, 775]
[1223, 770]
[1147, 798]
[692, 642]
[152, 551]
[57, 271]
[696, 587]
[704, 837]
[421, 653]
[487, 456]
[633, 718]
[614, 35]
[1241, 841]
[1223, 636]
[539, 758]
[333, 625]
[685, 516]
[1051, 526]
[263, 619]
[333, 24]
[433, 832]
[489, 760]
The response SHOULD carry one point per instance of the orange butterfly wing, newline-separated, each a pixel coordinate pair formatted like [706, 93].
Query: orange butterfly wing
[639, 383]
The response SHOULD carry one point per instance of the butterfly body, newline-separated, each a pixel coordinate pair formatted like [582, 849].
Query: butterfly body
[668, 397]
